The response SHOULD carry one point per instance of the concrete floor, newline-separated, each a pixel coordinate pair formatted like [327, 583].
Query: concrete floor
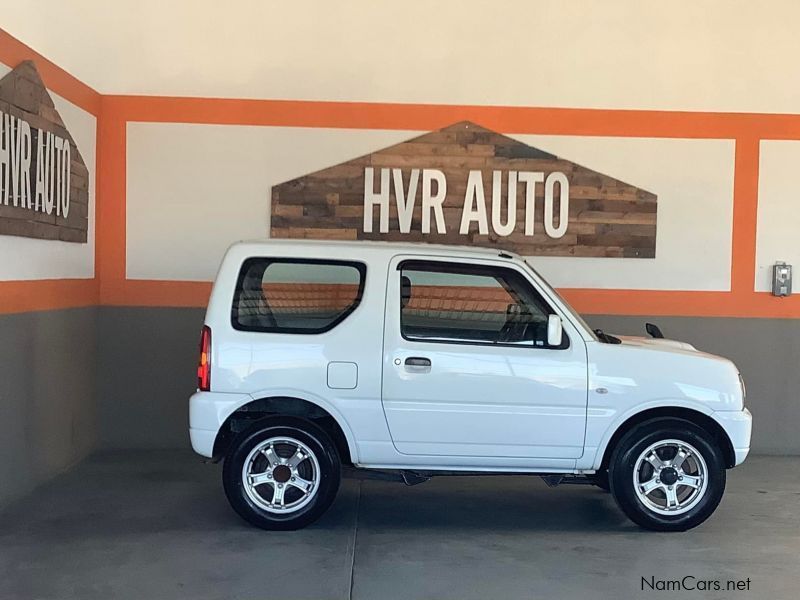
[156, 525]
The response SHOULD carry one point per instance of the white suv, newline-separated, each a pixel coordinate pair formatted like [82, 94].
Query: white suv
[409, 361]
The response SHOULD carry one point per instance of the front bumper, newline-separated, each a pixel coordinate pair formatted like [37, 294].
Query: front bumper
[738, 425]
[207, 412]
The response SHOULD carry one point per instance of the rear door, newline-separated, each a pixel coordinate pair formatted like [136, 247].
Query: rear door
[467, 370]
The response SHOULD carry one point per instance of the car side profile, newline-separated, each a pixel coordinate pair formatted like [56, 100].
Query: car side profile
[407, 361]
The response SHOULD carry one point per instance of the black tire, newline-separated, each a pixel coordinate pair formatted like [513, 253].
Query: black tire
[635, 443]
[326, 482]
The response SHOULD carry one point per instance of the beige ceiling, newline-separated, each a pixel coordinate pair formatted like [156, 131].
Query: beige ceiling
[682, 55]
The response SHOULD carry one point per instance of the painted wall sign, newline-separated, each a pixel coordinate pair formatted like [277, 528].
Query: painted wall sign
[465, 184]
[44, 183]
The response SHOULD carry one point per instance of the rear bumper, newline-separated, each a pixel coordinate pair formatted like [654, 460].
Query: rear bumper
[739, 426]
[207, 413]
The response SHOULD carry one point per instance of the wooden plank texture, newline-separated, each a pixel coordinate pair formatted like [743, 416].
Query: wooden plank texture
[23, 95]
[607, 217]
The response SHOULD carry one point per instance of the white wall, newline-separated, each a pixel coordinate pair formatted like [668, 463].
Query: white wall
[716, 55]
[194, 189]
[29, 258]
[778, 211]
[693, 180]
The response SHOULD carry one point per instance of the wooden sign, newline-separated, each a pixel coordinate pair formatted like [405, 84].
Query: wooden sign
[44, 183]
[467, 185]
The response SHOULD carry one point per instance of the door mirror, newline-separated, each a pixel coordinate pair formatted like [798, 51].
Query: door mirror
[554, 330]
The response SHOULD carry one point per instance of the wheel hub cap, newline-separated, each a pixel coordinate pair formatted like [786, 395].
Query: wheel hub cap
[669, 476]
[282, 473]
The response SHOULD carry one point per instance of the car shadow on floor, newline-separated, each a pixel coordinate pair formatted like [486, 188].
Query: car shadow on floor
[492, 503]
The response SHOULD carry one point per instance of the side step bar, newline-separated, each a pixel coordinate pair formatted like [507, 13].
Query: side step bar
[416, 477]
[407, 477]
[556, 480]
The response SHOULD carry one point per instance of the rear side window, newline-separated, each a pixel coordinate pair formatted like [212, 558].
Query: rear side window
[282, 295]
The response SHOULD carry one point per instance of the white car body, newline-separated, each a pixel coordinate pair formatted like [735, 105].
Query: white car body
[478, 407]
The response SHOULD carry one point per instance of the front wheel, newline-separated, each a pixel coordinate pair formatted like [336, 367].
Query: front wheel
[282, 473]
[667, 475]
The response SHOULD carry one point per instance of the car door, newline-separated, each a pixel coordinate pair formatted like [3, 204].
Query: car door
[467, 370]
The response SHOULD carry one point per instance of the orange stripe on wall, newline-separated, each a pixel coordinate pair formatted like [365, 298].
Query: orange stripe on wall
[745, 217]
[110, 230]
[507, 119]
[46, 294]
[13, 52]
[681, 303]
[144, 292]
[195, 294]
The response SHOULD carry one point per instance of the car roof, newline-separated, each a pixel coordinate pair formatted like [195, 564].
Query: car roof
[369, 246]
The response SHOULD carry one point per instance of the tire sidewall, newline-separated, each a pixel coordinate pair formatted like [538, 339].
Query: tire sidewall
[302, 430]
[624, 459]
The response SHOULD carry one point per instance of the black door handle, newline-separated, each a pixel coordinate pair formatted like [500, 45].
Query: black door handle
[418, 361]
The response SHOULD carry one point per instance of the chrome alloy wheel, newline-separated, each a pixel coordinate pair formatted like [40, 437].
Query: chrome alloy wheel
[281, 475]
[670, 477]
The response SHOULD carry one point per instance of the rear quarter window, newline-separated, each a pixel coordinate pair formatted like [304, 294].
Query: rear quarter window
[302, 296]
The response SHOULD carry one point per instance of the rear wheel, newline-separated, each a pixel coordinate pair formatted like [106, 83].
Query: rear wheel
[667, 475]
[282, 473]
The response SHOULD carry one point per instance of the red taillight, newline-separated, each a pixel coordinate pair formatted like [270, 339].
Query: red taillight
[204, 367]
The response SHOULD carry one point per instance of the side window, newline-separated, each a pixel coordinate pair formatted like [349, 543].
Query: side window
[461, 303]
[279, 295]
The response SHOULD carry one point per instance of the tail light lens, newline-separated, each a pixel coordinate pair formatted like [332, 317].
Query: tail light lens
[204, 367]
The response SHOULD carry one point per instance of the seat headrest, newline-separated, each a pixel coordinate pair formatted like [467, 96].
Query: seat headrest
[405, 291]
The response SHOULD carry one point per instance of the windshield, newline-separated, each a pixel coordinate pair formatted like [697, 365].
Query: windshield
[564, 303]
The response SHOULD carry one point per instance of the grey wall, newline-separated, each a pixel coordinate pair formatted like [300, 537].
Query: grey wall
[47, 404]
[147, 361]
[146, 371]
